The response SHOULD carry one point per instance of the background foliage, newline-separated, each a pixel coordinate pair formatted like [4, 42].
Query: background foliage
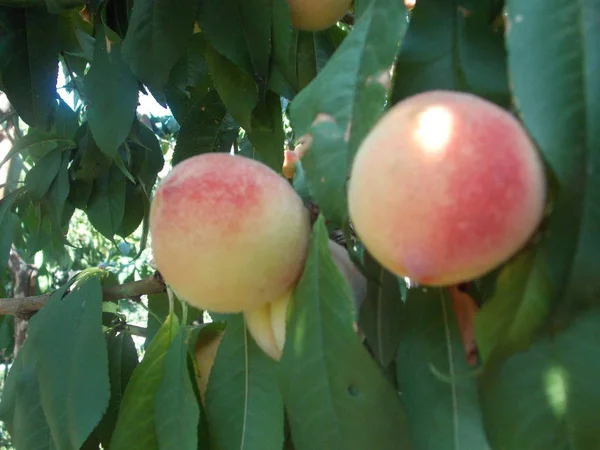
[235, 76]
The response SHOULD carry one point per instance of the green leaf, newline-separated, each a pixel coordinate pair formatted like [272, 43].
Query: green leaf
[7, 337]
[243, 402]
[122, 361]
[557, 98]
[516, 309]
[134, 211]
[29, 74]
[41, 176]
[38, 143]
[92, 162]
[353, 87]
[547, 396]
[189, 78]
[227, 34]
[335, 395]
[58, 193]
[448, 47]
[8, 225]
[21, 408]
[106, 206]
[237, 89]
[136, 427]
[156, 38]
[207, 128]
[147, 156]
[381, 313]
[112, 92]
[177, 411]
[66, 346]
[267, 134]
[325, 168]
[439, 388]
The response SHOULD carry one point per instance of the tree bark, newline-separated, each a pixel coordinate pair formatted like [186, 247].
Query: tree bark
[24, 280]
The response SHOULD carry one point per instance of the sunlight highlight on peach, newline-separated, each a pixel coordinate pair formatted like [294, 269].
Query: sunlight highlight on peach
[434, 129]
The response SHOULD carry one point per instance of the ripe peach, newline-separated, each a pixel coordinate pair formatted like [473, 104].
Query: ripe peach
[206, 349]
[315, 15]
[446, 187]
[267, 325]
[228, 233]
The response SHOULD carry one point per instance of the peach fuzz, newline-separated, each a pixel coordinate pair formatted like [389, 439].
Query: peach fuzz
[446, 187]
[315, 15]
[228, 233]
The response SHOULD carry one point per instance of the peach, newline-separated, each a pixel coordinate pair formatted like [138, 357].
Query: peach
[446, 187]
[205, 352]
[267, 325]
[228, 233]
[315, 15]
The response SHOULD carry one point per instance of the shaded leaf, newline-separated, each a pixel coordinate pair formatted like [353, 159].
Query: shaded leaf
[106, 205]
[207, 128]
[237, 89]
[243, 402]
[41, 176]
[353, 87]
[438, 387]
[156, 38]
[177, 411]
[556, 91]
[21, 406]
[30, 72]
[381, 313]
[518, 307]
[112, 92]
[122, 361]
[136, 423]
[450, 47]
[226, 32]
[325, 364]
[547, 396]
[69, 388]
[267, 131]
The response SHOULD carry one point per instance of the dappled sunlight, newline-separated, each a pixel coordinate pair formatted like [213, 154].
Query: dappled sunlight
[434, 129]
[556, 389]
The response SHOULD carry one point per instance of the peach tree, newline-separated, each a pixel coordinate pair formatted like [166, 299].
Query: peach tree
[298, 251]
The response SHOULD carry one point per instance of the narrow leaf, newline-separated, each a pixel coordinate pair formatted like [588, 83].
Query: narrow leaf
[112, 92]
[176, 408]
[206, 128]
[381, 313]
[243, 402]
[106, 205]
[554, 79]
[136, 426]
[325, 364]
[29, 75]
[547, 396]
[439, 388]
[156, 38]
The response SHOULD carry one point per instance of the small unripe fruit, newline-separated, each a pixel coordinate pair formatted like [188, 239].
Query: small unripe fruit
[205, 352]
[446, 187]
[228, 233]
[290, 159]
[267, 325]
[315, 15]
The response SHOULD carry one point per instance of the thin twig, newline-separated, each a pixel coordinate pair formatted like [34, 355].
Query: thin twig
[25, 306]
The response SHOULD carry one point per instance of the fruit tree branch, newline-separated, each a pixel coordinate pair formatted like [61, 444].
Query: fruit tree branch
[25, 306]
